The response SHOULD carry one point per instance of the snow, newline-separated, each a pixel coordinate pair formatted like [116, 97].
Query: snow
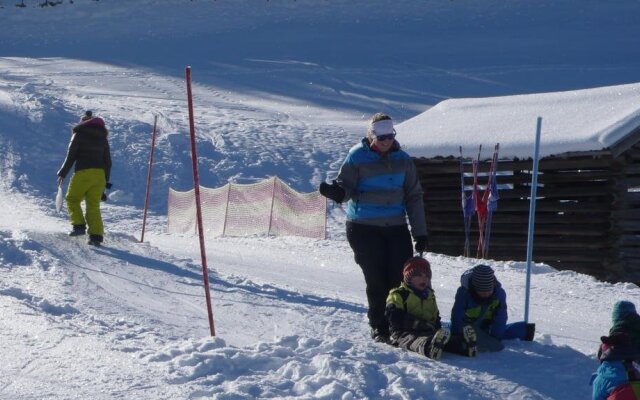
[280, 88]
[572, 121]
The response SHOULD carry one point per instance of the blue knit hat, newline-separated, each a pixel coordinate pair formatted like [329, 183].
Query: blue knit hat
[621, 309]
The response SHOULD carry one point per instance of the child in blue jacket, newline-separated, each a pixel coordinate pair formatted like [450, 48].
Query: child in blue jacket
[479, 315]
[616, 377]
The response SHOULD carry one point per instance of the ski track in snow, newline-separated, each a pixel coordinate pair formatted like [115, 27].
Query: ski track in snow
[100, 289]
[99, 315]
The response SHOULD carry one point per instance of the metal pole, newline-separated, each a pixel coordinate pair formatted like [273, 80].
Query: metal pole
[532, 212]
[196, 184]
[146, 198]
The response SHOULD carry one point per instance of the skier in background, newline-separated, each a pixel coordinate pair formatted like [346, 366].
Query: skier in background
[381, 185]
[89, 150]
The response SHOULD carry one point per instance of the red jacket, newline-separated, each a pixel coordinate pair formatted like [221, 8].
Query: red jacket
[624, 392]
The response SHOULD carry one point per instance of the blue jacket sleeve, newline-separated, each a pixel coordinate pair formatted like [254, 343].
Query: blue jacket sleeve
[599, 391]
[458, 310]
[607, 378]
[499, 323]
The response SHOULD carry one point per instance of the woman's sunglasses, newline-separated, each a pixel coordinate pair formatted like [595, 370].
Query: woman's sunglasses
[388, 136]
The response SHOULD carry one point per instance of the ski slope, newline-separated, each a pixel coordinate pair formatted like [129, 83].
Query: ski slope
[280, 88]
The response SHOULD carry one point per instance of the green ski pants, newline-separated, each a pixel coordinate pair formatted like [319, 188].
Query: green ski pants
[88, 185]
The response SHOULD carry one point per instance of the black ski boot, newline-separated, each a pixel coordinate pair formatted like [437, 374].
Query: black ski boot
[530, 332]
[380, 335]
[95, 240]
[78, 230]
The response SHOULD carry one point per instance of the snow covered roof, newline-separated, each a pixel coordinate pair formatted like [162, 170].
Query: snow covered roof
[574, 121]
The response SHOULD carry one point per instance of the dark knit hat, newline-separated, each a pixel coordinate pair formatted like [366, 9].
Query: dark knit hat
[483, 278]
[621, 309]
[415, 266]
[615, 339]
[87, 115]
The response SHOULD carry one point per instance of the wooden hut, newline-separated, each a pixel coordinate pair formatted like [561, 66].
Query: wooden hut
[588, 194]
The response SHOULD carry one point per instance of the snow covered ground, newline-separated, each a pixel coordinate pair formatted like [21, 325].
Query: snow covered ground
[281, 88]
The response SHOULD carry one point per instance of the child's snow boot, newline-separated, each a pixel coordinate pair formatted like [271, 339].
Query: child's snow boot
[439, 340]
[470, 338]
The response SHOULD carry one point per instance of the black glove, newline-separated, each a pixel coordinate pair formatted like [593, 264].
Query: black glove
[333, 191]
[421, 243]
[104, 194]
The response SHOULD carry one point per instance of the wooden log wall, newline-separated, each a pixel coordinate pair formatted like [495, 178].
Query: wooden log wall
[587, 220]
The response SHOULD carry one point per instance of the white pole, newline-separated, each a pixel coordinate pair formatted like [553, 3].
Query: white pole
[532, 212]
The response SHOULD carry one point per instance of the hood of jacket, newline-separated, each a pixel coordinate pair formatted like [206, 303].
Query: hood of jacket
[93, 127]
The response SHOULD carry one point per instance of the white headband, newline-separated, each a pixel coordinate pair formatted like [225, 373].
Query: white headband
[383, 127]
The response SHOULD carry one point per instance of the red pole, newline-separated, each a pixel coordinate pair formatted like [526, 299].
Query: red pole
[196, 184]
[146, 198]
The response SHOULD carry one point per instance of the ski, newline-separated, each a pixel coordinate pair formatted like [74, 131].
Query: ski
[490, 197]
[468, 207]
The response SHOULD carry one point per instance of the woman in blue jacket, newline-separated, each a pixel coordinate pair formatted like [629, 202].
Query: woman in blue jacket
[380, 184]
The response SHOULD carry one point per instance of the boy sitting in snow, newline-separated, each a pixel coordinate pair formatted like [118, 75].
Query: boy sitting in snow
[479, 315]
[412, 312]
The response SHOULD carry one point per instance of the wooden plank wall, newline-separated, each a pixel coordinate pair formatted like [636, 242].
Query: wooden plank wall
[586, 220]
[626, 220]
